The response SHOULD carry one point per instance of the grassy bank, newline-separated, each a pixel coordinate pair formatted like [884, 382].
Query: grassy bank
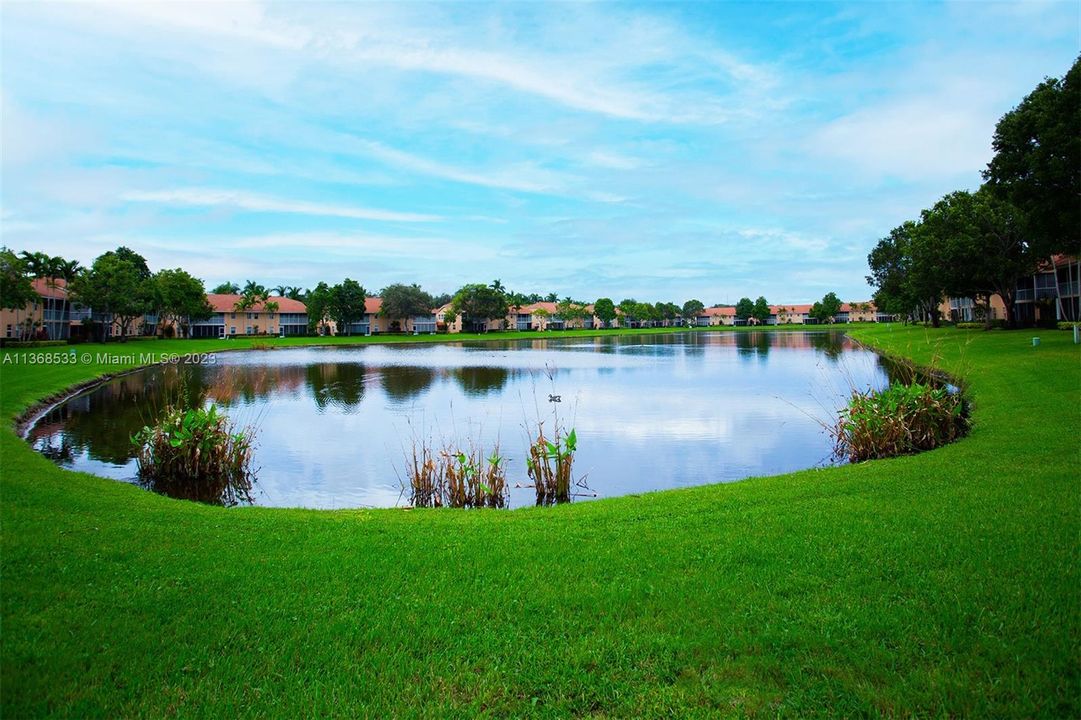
[940, 584]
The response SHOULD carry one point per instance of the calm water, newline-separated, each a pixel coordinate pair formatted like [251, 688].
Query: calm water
[651, 412]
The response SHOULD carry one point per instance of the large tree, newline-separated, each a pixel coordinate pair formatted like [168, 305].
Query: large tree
[909, 271]
[889, 263]
[346, 304]
[826, 309]
[744, 309]
[181, 299]
[692, 309]
[317, 303]
[118, 283]
[477, 303]
[1037, 165]
[605, 310]
[1037, 162]
[403, 301]
[760, 311]
[981, 245]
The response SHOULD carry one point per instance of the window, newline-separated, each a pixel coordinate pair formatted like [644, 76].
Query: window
[232, 330]
[9, 331]
[248, 331]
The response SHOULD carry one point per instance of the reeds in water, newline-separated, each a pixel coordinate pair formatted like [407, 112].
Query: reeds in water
[196, 454]
[456, 478]
[900, 420]
[549, 465]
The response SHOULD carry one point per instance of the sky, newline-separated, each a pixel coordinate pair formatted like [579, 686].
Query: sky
[655, 151]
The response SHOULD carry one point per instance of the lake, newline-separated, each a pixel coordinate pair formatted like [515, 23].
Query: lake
[334, 424]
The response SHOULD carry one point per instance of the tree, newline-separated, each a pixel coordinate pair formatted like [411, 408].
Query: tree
[1037, 166]
[479, 303]
[573, 313]
[984, 248]
[890, 263]
[346, 304]
[910, 271]
[692, 309]
[180, 299]
[551, 297]
[403, 301]
[317, 302]
[117, 284]
[744, 309]
[760, 312]
[1037, 162]
[605, 310]
[666, 311]
[630, 309]
[226, 288]
[16, 289]
[826, 309]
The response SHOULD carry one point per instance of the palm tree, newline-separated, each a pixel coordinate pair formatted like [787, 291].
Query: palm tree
[280, 290]
[253, 288]
[68, 269]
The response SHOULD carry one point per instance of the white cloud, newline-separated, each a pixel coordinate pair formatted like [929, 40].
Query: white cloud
[205, 197]
[912, 138]
[527, 177]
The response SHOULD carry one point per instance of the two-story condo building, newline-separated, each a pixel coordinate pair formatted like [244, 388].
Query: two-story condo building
[290, 318]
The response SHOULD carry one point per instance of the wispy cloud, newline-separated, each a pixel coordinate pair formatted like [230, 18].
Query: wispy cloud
[205, 197]
[526, 178]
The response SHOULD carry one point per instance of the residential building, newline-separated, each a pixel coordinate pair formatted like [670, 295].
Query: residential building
[46, 318]
[290, 318]
[1035, 300]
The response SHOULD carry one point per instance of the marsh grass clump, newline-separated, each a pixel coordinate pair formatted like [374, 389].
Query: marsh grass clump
[549, 465]
[196, 454]
[456, 478]
[900, 420]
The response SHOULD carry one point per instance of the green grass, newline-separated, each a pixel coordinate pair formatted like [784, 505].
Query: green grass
[943, 584]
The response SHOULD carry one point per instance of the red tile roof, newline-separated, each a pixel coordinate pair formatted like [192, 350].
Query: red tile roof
[373, 305]
[51, 287]
[227, 303]
[721, 311]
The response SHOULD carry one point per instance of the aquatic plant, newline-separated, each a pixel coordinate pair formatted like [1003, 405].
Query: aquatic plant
[549, 465]
[900, 420]
[456, 478]
[196, 454]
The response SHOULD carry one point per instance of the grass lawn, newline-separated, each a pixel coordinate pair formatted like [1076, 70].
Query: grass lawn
[945, 584]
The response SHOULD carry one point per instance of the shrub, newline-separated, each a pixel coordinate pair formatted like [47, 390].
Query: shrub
[1068, 325]
[196, 454]
[971, 326]
[900, 420]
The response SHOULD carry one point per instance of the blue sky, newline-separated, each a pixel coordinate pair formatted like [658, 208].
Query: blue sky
[658, 151]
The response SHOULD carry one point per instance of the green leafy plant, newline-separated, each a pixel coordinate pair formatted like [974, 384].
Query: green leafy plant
[900, 420]
[196, 454]
[549, 466]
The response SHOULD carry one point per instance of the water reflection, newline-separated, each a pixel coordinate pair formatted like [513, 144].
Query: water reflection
[650, 412]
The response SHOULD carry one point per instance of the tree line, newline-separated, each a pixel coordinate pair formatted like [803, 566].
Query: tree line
[979, 244]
